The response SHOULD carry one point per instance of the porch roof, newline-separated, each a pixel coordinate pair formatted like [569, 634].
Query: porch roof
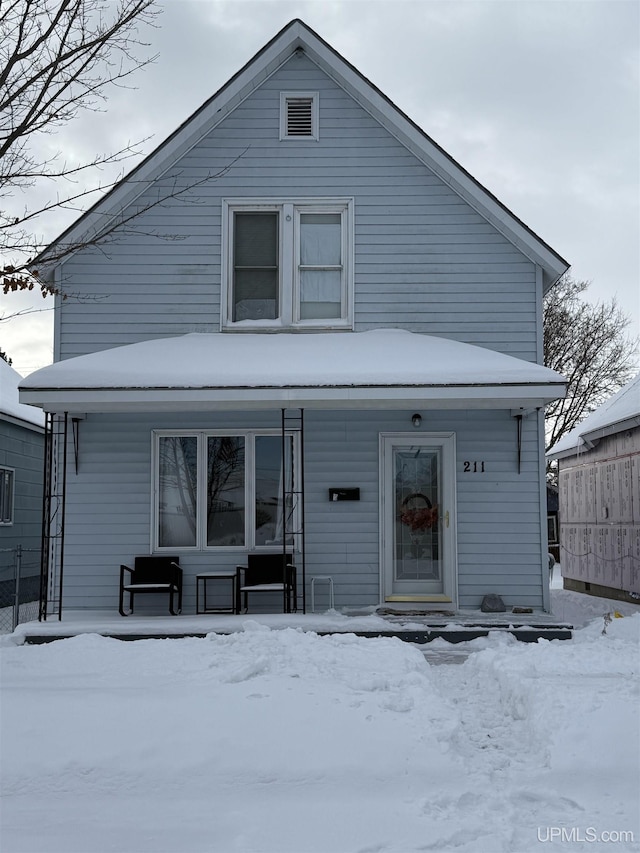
[382, 368]
[619, 413]
[10, 409]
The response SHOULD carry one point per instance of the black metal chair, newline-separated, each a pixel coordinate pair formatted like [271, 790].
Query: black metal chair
[151, 575]
[268, 573]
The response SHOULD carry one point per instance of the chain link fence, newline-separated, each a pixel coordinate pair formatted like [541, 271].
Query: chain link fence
[19, 586]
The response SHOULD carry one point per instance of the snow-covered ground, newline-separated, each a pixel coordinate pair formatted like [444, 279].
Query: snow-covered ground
[281, 741]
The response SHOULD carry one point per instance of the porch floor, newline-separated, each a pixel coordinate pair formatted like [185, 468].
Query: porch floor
[414, 626]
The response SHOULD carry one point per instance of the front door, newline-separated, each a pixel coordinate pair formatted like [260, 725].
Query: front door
[418, 517]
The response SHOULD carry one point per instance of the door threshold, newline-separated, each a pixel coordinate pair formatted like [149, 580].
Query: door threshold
[416, 605]
[423, 599]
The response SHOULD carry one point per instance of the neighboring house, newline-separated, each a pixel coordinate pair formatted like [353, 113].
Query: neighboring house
[599, 484]
[21, 474]
[553, 523]
[310, 277]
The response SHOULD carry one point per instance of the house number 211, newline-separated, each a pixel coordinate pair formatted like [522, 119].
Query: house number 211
[473, 467]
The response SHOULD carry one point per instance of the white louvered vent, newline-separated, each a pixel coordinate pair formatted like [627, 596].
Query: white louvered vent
[299, 115]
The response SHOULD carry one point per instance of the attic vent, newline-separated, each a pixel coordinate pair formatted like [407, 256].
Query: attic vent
[299, 115]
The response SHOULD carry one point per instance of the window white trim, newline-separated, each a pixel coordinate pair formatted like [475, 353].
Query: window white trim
[285, 99]
[289, 210]
[7, 487]
[201, 545]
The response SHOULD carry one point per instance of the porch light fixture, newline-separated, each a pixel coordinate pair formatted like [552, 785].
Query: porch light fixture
[416, 420]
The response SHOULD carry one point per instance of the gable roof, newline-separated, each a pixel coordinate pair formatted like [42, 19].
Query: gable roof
[298, 36]
[617, 414]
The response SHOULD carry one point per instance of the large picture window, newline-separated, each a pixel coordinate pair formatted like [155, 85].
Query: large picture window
[288, 263]
[224, 491]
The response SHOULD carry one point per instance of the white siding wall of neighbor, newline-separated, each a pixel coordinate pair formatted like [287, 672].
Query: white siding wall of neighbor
[424, 259]
[498, 512]
[600, 516]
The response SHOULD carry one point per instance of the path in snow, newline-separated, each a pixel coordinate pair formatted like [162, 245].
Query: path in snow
[513, 713]
[284, 742]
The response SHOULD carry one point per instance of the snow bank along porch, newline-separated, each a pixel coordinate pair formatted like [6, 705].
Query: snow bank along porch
[305, 328]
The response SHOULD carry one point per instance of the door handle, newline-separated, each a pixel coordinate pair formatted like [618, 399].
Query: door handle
[446, 518]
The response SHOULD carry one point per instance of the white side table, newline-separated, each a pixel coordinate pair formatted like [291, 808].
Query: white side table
[321, 579]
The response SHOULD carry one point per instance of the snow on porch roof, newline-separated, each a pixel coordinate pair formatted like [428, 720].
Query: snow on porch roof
[380, 367]
[617, 414]
[10, 408]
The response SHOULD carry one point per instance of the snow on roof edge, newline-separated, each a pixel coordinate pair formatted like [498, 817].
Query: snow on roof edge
[618, 411]
[378, 357]
[10, 405]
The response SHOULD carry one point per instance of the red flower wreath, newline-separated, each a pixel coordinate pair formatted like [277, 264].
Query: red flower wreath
[419, 518]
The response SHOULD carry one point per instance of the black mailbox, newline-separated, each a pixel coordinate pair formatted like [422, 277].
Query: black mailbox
[344, 494]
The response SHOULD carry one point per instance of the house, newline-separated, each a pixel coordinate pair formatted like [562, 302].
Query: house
[21, 493]
[553, 523]
[599, 502]
[316, 331]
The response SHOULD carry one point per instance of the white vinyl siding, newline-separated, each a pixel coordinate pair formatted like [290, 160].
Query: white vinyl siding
[498, 511]
[423, 259]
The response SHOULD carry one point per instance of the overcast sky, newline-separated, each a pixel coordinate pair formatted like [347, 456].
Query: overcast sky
[539, 100]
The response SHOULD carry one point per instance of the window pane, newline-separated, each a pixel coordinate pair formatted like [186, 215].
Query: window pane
[225, 490]
[270, 519]
[255, 262]
[320, 294]
[256, 240]
[6, 497]
[320, 239]
[255, 295]
[417, 528]
[177, 491]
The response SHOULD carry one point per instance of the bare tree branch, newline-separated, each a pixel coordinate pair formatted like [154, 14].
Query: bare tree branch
[588, 345]
[57, 57]
[24, 277]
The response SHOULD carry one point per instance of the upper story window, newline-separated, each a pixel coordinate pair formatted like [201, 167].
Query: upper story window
[288, 263]
[299, 115]
[6, 495]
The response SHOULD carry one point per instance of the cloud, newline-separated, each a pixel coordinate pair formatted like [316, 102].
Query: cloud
[538, 100]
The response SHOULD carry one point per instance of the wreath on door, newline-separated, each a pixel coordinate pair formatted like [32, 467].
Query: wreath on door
[417, 513]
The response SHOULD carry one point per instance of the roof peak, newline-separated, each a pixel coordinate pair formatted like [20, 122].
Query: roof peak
[256, 70]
